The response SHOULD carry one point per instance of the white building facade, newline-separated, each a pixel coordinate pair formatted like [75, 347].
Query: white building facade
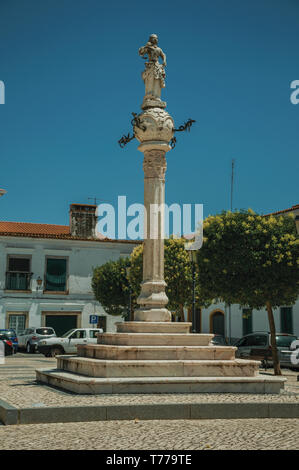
[46, 272]
[235, 322]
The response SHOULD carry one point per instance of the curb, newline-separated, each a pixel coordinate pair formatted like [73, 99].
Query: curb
[10, 415]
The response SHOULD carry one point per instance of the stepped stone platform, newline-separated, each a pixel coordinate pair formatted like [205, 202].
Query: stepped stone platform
[157, 357]
[105, 351]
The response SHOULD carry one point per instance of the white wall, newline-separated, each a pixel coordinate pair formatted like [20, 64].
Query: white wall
[82, 257]
[259, 319]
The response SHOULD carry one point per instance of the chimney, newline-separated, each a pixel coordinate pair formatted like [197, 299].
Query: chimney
[83, 220]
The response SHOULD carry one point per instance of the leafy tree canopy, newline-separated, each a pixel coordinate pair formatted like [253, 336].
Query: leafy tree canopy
[250, 259]
[110, 286]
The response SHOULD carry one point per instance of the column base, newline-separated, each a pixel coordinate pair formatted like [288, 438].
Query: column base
[152, 315]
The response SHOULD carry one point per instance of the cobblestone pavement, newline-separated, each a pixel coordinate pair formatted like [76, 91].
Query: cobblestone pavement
[245, 434]
[19, 388]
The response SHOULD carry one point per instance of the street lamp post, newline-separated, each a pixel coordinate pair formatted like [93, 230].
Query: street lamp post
[39, 282]
[192, 258]
[130, 295]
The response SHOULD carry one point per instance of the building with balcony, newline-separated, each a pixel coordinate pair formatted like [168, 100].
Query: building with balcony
[46, 271]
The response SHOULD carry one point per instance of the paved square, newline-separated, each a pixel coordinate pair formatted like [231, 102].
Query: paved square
[18, 388]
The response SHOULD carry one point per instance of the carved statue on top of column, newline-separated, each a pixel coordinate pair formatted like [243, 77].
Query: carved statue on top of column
[154, 73]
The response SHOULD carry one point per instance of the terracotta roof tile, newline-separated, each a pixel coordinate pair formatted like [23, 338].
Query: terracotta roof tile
[38, 229]
[60, 232]
[293, 208]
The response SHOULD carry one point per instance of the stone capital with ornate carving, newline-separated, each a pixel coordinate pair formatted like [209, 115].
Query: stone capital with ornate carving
[155, 124]
[154, 164]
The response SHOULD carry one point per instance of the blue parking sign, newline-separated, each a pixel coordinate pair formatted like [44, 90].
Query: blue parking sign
[93, 319]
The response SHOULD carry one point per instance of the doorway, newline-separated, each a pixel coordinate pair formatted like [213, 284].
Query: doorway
[61, 323]
[217, 324]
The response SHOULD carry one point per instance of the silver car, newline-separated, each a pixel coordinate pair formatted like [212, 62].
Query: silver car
[29, 338]
[257, 346]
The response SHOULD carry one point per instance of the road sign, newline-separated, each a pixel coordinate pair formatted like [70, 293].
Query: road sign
[93, 319]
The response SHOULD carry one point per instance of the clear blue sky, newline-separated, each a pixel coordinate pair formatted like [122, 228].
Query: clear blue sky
[73, 77]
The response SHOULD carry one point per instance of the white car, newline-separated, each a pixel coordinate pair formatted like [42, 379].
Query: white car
[67, 343]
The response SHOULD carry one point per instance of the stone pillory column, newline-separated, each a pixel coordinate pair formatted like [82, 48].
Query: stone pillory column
[153, 354]
[153, 128]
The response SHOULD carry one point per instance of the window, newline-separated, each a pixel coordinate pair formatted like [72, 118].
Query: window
[284, 341]
[45, 331]
[17, 322]
[286, 320]
[242, 343]
[8, 332]
[79, 334]
[257, 340]
[247, 321]
[93, 333]
[68, 333]
[18, 274]
[55, 275]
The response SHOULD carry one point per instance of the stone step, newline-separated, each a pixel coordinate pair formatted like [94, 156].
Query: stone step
[85, 385]
[153, 327]
[157, 368]
[155, 339]
[107, 351]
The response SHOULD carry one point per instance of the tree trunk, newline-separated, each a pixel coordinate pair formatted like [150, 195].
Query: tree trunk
[275, 358]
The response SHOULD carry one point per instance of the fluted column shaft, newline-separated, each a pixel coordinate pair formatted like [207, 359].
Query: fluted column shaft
[152, 299]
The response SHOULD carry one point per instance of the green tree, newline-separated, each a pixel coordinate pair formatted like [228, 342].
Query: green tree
[110, 286]
[251, 260]
[178, 275]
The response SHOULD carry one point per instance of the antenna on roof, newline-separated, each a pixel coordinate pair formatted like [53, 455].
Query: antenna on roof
[232, 185]
[96, 200]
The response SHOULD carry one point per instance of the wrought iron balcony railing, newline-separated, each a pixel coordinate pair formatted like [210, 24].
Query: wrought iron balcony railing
[17, 280]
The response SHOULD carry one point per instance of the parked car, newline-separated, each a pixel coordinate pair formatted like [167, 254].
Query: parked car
[29, 338]
[10, 332]
[219, 340]
[67, 343]
[287, 356]
[257, 346]
[8, 345]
